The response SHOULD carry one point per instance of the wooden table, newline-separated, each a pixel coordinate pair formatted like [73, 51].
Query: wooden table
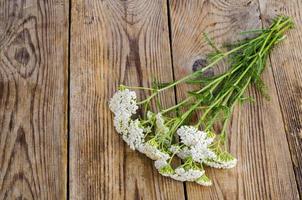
[60, 62]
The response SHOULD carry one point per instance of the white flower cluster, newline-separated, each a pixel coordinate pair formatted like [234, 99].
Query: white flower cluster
[153, 138]
[123, 105]
[182, 174]
[161, 163]
[197, 144]
[153, 152]
[182, 153]
[204, 180]
[135, 136]
[224, 161]
[198, 147]
[123, 101]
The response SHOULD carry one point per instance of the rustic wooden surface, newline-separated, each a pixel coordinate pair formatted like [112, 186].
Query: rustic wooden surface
[33, 99]
[114, 43]
[251, 137]
[61, 61]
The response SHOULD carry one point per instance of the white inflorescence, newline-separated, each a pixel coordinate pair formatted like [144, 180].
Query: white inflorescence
[160, 163]
[154, 153]
[193, 147]
[135, 136]
[181, 174]
[184, 153]
[123, 105]
[123, 101]
[189, 135]
[221, 164]
[121, 122]
[197, 143]
[201, 152]
[204, 180]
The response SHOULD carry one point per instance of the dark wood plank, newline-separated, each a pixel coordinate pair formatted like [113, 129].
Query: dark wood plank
[114, 42]
[257, 134]
[33, 99]
[287, 72]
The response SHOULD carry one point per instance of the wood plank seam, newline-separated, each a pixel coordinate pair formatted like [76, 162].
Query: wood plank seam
[173, 70]
[114, 42]
[68, 104]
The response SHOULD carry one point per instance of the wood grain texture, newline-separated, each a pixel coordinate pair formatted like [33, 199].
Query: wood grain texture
[33, 99]
[287, 72]
[257, 133]
[114, 42]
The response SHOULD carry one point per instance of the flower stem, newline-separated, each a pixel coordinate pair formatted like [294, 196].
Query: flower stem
[177, 105]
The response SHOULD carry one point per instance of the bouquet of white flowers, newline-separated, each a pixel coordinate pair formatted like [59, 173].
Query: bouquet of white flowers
[167, 134]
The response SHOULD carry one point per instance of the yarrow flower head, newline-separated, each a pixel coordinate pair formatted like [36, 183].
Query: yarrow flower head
[121, 122]
[201, 152]
[160, 163]
[135, 136]
[183, 152]
[123, 101]
[123, 105]
[150, 149]
[223, 160]
[204, 181]
[197, 144]
[164, 168]
[183, 174]
[190, 136]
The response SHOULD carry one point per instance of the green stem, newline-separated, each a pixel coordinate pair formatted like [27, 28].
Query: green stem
[148, 99]
[184, 117]
[193, 74]
[212, 106]
[177, 105]
[223, 131]
[218, 79]
[138, 87]
[230, 90]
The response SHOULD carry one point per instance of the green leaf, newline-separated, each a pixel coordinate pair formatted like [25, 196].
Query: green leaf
[211, 42]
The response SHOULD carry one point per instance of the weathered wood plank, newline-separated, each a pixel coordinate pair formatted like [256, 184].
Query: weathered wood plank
[287, 72]
[114, 42]
[257, 135]
[33, 99]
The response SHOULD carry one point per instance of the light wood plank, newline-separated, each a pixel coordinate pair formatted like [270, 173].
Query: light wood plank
[33, 99]
[257, 135]
[114, 42]
[287, 72]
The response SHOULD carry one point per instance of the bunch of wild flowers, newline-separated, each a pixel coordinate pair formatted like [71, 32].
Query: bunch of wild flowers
[167, 134]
